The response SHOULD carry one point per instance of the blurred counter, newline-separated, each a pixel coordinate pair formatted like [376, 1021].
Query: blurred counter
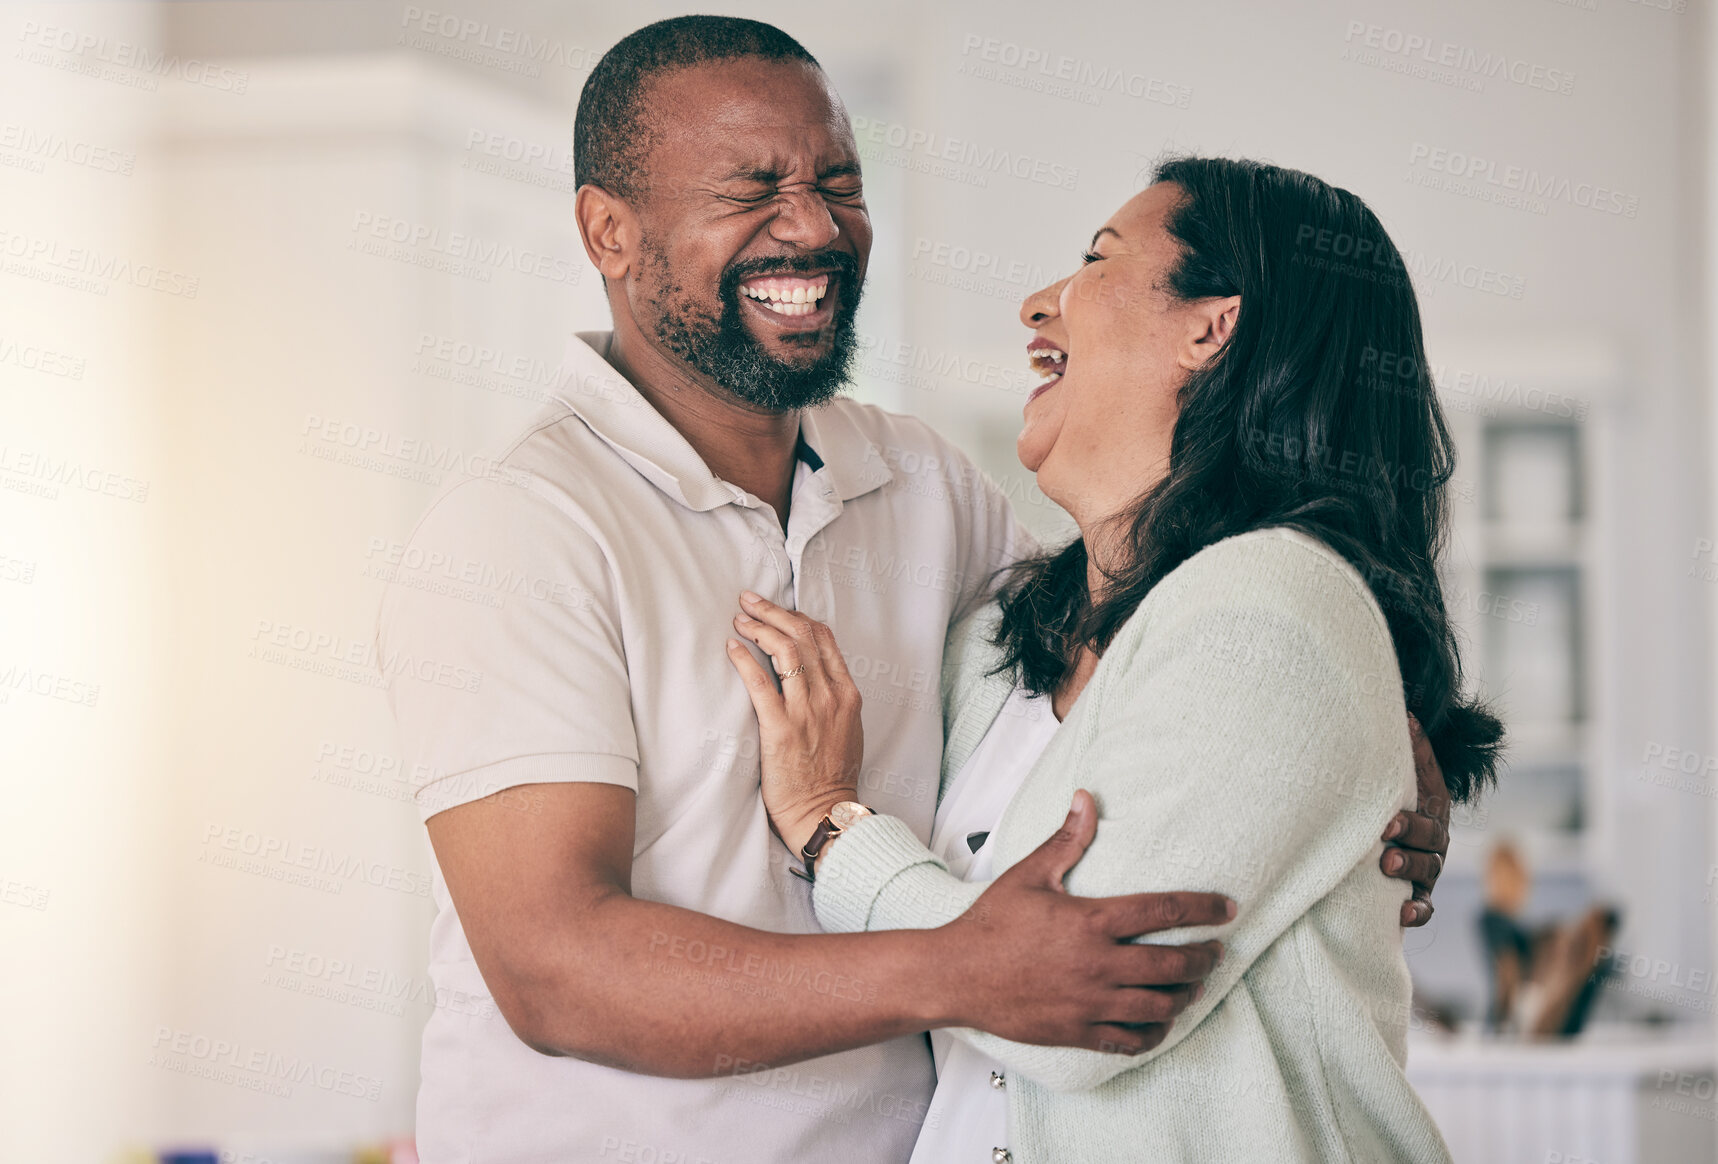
[1616, 1095]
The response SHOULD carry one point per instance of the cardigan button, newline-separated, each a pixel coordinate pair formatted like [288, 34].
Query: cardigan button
[1001, 1156]
[998, 1080]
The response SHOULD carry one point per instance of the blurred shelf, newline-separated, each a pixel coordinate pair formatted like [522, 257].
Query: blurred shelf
[1523, 544]
[1548, 852]
[1546, 744]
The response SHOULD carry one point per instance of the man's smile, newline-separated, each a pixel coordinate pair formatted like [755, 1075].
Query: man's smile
[792, 303]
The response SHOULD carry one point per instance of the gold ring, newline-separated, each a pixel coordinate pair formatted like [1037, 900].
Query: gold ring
[799, 670]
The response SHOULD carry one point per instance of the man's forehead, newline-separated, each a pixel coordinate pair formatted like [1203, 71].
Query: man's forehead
[749, 113]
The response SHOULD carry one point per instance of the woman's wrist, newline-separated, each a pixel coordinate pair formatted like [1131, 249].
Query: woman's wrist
[796, 833]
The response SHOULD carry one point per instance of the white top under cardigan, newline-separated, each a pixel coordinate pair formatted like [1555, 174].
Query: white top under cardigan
[1245, 733]
[968, 1115]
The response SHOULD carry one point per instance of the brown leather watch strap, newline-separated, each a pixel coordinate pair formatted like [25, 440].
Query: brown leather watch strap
[820, 836]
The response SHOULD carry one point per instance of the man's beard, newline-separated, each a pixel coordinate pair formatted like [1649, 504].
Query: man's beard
[723, 350]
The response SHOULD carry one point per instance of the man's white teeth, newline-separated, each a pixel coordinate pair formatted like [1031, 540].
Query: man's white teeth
[787, 306]
[781, 298]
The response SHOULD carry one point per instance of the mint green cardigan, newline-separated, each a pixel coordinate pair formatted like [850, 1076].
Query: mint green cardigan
[1245, 733]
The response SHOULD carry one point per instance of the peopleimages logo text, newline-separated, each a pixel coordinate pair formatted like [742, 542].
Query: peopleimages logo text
[979, 158]
[1459, 58]
[1522, 180]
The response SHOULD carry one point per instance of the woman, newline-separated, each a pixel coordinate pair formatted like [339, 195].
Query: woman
[1226, 658]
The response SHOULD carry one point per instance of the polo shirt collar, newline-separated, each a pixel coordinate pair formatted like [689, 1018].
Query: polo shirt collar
[618, 413]
[854, 465]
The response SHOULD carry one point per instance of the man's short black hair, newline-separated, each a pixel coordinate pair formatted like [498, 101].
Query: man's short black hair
[612, 134]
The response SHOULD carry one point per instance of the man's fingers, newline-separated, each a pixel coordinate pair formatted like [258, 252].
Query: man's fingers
[1136, 1005]
[1146, 965]
[1417, 912]
[1414, 830]
[1147, 913]
[1411, 865]
[1050, 861]
[1428, 775]
[1116, 1039]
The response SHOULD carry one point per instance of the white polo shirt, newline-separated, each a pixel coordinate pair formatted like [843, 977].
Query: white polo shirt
[564, 619]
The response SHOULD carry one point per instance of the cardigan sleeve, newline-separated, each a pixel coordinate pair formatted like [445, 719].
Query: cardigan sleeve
[880, 876]
[1249, 738]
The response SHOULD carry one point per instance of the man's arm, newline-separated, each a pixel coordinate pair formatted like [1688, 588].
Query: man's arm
[580, 967]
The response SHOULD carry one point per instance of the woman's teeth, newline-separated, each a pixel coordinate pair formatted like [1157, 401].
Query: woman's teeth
[1049, 363]
[788, 296]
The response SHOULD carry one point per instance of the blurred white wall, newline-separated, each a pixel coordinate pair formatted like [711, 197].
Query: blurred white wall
[270, 323]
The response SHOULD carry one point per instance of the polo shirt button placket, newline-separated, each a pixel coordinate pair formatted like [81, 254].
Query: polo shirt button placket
[771, 542]
[795, 551]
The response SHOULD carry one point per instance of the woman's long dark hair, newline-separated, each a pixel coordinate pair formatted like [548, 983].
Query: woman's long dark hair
[1319, 414]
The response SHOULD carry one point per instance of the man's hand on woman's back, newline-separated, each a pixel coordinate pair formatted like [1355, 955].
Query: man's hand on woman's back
[1120, 997]
[1416, 842]
[578, 966]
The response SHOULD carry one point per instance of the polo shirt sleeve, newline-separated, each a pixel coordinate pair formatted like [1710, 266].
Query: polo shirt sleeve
[500, 642]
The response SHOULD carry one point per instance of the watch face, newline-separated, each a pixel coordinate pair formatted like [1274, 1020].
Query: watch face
[844, 814]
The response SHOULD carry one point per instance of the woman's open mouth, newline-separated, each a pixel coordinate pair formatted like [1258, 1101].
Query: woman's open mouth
[791, 302]
[1048, 361]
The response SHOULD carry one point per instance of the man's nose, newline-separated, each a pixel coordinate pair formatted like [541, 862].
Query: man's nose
[1044, 303]
[803, 219]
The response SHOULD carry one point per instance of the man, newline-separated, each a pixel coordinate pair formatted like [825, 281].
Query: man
[605, 869]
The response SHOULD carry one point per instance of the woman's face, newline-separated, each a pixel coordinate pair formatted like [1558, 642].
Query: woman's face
[1116, 347]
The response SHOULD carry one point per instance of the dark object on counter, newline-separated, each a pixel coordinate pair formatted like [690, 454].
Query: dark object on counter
[1543, 981]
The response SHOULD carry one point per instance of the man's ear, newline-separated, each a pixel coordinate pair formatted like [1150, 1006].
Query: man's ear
[1213, 322]
[609, 229]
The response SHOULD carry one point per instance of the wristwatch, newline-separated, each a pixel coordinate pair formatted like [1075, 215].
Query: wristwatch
[843, 816]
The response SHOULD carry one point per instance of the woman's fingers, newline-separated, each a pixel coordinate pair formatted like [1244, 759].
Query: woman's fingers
[789, 626]
[764, 610]
[830, 651]
[766, 700]
[781, 648]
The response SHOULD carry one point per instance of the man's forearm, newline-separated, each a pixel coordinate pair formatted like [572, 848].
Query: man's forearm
[661, 990]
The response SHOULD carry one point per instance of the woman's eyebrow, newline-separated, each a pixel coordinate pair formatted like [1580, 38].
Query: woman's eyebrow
[1103, 230]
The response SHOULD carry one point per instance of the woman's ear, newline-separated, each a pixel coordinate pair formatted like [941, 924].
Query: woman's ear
[1212, 323]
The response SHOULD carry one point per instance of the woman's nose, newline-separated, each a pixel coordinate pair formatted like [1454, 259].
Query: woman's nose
[1042, 304]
